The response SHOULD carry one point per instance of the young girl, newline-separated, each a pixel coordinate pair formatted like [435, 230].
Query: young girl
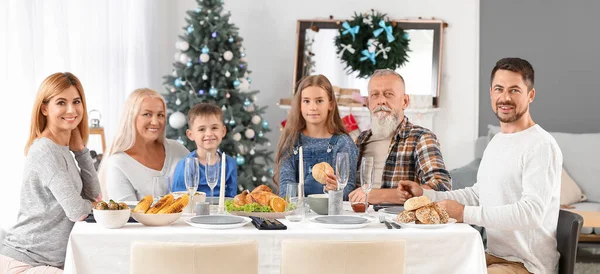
[55, 193]
[314, 124]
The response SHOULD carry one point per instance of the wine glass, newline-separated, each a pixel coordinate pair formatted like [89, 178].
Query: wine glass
[366, 178]
[161, 186]
[213, 166]
[342, 169]
[192, 178]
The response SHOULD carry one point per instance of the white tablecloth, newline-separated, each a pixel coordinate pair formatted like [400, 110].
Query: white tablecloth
[456, 248]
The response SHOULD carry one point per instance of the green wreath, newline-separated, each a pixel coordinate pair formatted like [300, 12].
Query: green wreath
[369, 42]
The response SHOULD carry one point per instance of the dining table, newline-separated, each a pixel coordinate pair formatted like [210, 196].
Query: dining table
[453, 248]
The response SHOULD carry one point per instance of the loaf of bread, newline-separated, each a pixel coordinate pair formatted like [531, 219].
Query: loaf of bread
[415, 203]
[320, 171]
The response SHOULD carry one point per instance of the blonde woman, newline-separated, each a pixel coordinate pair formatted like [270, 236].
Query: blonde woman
[139, 150]
[55, 192]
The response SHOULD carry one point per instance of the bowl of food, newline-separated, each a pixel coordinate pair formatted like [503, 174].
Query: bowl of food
[319, 203]
[260, 202]
[164, 212]
[111, 214]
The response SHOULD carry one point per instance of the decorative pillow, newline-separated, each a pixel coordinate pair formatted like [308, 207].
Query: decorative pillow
[570, 192]
[492, 130]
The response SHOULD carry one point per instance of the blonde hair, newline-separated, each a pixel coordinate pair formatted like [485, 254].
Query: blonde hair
[295, 122]
[126, 133]
[50, 87]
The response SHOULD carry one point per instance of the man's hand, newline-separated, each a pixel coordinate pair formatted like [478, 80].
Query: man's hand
[331, 182]
[357, 196]
[455, 209]
[409, 189]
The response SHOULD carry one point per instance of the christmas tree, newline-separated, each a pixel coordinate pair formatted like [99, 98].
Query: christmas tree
[210, 66]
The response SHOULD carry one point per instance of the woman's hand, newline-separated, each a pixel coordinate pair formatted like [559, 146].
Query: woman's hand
[76, 141]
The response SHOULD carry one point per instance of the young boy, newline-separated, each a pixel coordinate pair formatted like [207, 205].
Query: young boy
[206, 129]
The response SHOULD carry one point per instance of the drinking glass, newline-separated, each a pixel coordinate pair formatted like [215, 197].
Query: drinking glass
[294, 207]
[213, 167]
[342, 169]
[192, 178]
[161, 186]
[366, 177]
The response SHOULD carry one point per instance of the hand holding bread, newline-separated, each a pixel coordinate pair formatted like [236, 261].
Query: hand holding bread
[320, 171]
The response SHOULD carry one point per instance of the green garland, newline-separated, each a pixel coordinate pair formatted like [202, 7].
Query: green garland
[365, 41]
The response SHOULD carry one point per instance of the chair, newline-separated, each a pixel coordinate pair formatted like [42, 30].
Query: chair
[163, 257]
[567, 236]
[342, 257]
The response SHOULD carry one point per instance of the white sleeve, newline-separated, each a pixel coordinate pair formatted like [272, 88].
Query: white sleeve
[541, 168]
[466, 196]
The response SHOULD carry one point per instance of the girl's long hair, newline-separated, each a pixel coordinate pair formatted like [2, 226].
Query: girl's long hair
[50, 87]
[295, 122]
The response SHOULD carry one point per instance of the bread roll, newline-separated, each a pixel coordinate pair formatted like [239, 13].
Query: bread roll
[428, 215]
[441, 212]
[320, 171]
[416, 203]
[407, 216]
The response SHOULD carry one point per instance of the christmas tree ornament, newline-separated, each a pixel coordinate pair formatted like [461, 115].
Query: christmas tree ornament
[223, 108]
[241, 66]
[232, 122]
[260, 134]
[227, 95]
[256, 119]
[249, 133]
[178, 102]
[268, 144]
[173, 90]
[198, 10]
[201, 22]
[201, 92]
[240, 160]
[177, 120]
[242, 49]
[236, 83]
[213, 91]
[243, 59]
[253, 178]
[265, 124]
[204, 57]
[247, 102]
[230, 39]
[174, 73]
[249, 108]
[226, 121]
[216, 17]
[204, 77]
[249, 80]
[190, 29]
[208, 11]
[237, 137]
[263, 179]
[189, 64]
[214, 34]
[205, 49]
[235, 69]
[242, 149]
[243, 54]
[184, 45]
[252, 151]
[228, 55]
[227, 74]
[177, 56]
[184, 58]
[270, 171]
[191, 91]
[177, 82]
[183, 83]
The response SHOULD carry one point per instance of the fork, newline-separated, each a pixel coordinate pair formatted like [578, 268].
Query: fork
[382, 220]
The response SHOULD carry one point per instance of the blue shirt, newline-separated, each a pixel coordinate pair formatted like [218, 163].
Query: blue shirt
[230, 177]
[317, 150]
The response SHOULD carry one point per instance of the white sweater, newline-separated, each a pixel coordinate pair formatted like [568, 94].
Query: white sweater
[516, 198]
[128, 180]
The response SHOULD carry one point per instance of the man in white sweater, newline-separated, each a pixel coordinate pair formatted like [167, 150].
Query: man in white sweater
[516, 197]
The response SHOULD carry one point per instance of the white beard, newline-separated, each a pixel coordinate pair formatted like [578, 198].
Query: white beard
[385, 127]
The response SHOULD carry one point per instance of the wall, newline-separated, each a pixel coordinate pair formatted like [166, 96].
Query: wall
[269, 31]
[559, 39]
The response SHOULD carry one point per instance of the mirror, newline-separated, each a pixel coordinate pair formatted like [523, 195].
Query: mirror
[316, 54]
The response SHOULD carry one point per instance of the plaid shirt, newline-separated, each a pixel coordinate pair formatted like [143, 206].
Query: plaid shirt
[413, 155]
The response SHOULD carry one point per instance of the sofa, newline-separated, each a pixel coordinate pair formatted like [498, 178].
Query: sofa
[580, 186]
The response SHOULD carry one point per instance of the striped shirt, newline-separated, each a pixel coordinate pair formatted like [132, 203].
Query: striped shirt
[413, 155]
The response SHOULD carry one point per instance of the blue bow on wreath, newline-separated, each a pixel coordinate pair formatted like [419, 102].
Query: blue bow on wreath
[368, 55]
[387, 29]
[352, 30]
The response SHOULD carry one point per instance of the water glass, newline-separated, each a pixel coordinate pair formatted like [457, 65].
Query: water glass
[342, 169]
[161, 186]
[192, 177]
[336, 199]
[294, 208]
[202, 208]
[213, 167]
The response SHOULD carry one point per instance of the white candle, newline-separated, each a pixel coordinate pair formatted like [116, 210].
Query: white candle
[301, 176]
[222, 191]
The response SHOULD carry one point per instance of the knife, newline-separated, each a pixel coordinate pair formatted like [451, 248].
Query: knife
[395, 225]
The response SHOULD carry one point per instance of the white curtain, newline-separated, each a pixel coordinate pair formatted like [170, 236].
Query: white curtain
[109, 45]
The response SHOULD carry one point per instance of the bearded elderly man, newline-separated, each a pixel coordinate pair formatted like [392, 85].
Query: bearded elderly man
[401, 151]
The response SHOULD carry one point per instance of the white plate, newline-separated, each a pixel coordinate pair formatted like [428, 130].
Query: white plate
[213, 226]
[451, 221]
[341, 225]
[394, 210]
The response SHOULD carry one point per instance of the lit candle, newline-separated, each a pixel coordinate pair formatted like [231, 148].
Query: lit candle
[301, 175]
[222, 191]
